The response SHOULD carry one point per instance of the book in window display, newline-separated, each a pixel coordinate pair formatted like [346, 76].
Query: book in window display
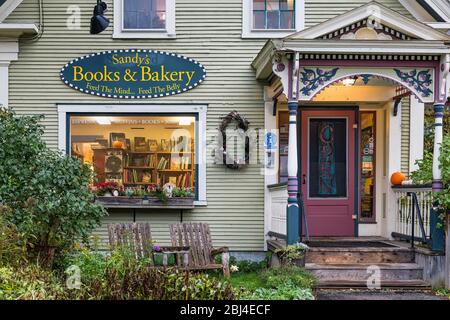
[165, 145]
[140, 144]
[115, 136]
[152, 145]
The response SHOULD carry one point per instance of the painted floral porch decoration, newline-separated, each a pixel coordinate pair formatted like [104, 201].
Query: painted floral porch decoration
[420, 81]
[312, 79]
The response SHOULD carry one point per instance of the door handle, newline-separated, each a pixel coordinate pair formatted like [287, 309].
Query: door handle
[304, 179]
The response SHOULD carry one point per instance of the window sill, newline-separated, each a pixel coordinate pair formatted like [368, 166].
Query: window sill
[256, 33]
[143, 35]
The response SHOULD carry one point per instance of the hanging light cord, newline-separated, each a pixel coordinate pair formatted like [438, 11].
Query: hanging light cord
[41, 23]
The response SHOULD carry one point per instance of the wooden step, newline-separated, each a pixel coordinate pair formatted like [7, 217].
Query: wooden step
[359, 255]
[391, 284]
[360, 271]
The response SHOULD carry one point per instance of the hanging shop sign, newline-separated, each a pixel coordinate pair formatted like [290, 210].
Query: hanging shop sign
[133, 74]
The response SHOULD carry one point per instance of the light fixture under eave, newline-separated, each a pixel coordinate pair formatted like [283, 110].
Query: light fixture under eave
[349, 82]
[98, 22]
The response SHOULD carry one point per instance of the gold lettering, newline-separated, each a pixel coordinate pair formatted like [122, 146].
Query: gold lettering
[77, 71]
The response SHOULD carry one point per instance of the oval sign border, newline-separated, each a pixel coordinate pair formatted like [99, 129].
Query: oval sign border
[114, 96]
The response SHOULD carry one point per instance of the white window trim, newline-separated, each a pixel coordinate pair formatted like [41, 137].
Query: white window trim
[247, 22]
[120, 33]
[63, 110]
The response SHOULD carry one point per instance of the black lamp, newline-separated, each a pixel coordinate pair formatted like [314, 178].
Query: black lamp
[98, 21]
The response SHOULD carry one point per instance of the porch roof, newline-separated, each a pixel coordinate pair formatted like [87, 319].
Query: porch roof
[421, 38]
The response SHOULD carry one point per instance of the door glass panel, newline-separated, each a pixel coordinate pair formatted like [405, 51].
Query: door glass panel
[367, 165]
[327, 176]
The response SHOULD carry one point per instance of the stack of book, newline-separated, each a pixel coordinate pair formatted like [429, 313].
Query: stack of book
[162, 164]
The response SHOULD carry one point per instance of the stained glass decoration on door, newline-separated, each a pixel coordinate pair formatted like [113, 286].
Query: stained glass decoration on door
[327, 158]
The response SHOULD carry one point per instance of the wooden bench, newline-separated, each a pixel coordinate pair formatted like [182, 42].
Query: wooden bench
[137, 237]
[197, 237]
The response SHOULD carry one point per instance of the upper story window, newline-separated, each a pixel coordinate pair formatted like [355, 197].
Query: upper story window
[144, 14]
[272, 18]
[144, 19]
[274, 14]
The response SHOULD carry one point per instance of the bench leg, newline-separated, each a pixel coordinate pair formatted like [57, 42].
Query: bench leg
[226, 264]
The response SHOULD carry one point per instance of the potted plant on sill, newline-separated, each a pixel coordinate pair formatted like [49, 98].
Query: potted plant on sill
[293, 254]
[168, 195]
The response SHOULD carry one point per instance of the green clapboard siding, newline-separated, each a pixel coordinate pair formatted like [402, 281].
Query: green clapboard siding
[208, 31]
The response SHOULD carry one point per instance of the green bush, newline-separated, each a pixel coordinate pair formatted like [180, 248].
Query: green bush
[47, 192]
[30, 282]
[297, 276]
[285, 291]
[121, 277]
[424, 173]
[12, 245]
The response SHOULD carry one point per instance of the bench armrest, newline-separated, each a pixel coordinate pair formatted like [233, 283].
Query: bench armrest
[217, 251]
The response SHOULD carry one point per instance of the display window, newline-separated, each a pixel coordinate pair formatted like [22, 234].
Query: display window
[137, 152]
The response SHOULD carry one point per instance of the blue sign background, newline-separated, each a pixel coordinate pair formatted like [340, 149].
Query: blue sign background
[133, 74]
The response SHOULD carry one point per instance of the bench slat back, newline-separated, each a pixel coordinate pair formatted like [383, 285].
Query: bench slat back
[135, 236]
[198, 237]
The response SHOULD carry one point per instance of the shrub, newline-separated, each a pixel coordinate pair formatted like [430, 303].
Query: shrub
[30, 282]
[12, 246]
[46, 191]
[288, 274]
[119, 276]
[285, 291]
[424, 173]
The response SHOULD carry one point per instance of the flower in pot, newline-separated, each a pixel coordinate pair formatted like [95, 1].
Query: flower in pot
[107, 189]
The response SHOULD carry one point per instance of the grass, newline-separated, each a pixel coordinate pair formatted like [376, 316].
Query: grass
[250, 280]
[284, 283]
[442, 292]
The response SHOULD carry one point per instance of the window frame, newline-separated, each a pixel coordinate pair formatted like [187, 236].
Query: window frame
[247, 22]
[199, 111]
[121, 33]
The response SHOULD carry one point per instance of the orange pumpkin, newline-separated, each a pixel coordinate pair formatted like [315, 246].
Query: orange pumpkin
[397, 178]
[117, 144]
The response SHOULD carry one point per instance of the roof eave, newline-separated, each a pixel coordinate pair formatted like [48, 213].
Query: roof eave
[262, 64]
[16, 30]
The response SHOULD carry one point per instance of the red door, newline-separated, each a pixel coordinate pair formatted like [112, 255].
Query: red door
[328, 171]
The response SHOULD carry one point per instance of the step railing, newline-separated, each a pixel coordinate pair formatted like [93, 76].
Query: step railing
[413, 205]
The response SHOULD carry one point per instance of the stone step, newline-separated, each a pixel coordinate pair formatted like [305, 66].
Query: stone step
[362, 271]
[362, 284]
[359, 255]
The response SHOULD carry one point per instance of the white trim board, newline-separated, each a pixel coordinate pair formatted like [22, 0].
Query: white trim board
[201, 110]
[378, 12]
[7, 8]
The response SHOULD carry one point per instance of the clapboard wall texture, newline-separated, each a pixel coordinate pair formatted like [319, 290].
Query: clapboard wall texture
[207, 30]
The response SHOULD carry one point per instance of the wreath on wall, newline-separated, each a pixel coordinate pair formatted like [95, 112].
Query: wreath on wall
[243, 124]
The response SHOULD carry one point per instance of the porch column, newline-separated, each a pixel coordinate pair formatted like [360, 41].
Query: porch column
[438, 117]
[293, 213]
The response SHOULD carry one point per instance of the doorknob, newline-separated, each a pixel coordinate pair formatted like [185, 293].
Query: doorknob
[304, 179]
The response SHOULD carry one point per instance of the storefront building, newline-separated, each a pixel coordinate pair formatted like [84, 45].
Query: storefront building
[343, 86]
